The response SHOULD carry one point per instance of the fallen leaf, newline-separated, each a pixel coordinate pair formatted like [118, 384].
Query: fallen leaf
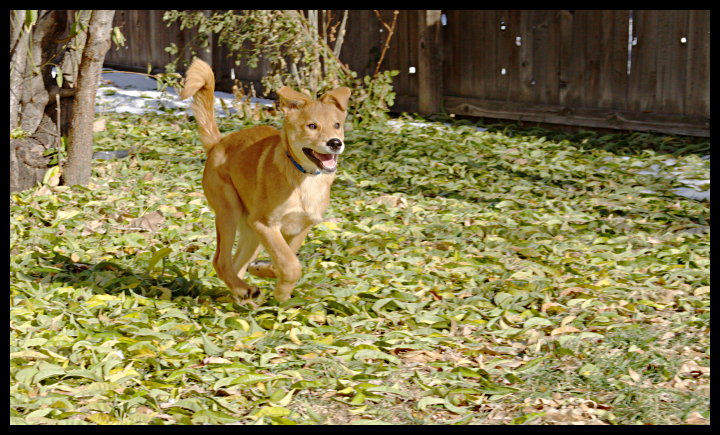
[149, 222]
[99, 125]
[696, 418]
[420, 356]
[390, 201]
[564, 330]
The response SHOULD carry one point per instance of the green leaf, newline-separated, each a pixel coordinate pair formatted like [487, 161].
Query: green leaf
[211, 348]
[272, 411]
[452, 408]
[428, 401]
[82, 373]
[58, 76]
[364, 354]
[252, 378]
[157, 256]
[30, 18]
[47, 370]
[208, 416]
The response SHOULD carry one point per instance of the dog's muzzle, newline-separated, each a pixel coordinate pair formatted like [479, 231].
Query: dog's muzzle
[326, 162]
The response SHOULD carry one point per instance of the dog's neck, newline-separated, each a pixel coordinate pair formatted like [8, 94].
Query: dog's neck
[299, 166]
[286, 146]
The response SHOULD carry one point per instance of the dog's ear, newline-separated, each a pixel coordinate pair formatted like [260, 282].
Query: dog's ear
[291, 99]
[338, 96]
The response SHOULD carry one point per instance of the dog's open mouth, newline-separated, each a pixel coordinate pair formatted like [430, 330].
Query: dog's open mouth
[326, 162]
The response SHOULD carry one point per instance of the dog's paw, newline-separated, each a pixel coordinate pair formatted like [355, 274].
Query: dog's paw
[262, 269]
[247, 293]
[246, 296]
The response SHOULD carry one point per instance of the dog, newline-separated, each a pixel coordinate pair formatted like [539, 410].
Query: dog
[268, 187]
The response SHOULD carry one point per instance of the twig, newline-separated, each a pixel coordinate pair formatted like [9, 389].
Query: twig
[59, 131]
[340, 36]
[391, 29]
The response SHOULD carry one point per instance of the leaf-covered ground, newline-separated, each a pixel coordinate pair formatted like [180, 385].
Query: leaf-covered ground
[507, 276]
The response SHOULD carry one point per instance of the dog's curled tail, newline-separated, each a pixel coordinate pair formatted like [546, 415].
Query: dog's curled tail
[200, 84]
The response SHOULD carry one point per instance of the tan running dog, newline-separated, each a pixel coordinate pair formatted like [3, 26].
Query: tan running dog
[267, 186]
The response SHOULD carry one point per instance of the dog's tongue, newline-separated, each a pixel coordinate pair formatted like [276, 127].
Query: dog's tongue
[328, 161]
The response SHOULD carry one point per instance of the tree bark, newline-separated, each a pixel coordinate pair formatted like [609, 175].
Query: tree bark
[77, 167]
[33, 50]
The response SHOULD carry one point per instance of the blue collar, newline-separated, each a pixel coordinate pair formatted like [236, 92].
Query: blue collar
[297, 165]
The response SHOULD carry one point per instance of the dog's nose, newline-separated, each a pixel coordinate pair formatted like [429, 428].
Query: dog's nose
[334, 144]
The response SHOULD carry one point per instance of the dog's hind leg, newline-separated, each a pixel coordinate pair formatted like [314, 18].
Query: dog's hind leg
[226, 226]
[247, 248]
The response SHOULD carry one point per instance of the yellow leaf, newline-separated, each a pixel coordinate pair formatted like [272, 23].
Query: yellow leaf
[326, 340]
[293, 336]
[28, 354]
[564, 330]
[310, 355]
[317, 317]
[567, 320]
[286, 399]
[66, 214]
[128, 371]
[634, 375]
[701, 290]
[96, 300]
[102, 418]
[216, 360]
[328, 225]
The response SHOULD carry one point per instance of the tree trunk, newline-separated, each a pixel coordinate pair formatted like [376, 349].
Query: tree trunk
[77, 168]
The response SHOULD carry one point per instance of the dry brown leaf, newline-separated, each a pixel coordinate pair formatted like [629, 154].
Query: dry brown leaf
[421, 356]
[390, 201]
[691, 368]
[216, 360]
[696, 418]
[99, 125]
[44, 190]
[91, 227]
[149, 222]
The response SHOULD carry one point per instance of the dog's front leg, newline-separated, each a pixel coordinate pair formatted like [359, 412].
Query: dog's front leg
[265, 269]
[284, 260]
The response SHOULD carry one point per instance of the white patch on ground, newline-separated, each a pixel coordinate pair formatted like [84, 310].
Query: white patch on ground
[137, 93]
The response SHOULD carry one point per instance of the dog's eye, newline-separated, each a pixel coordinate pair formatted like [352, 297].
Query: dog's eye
[312, 126]
[337, 125]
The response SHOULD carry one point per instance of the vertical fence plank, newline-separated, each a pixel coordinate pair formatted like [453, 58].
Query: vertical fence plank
[671, 54]
[643, 69]
[430, 88]
[697, 76]
[526, 77]
[613, 59]
[545, 56]
[507, 58]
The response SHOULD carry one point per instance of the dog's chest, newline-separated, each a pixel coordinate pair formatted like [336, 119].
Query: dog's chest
[306, 205]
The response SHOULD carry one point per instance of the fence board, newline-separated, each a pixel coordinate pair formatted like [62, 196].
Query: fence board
[697, 76]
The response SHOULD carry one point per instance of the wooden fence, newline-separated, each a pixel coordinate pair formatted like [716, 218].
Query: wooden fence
[633, 70]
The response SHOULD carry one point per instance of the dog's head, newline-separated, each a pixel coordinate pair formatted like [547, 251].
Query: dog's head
[314, 128]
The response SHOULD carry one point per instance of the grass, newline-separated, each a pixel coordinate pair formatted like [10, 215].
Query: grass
[512, 276]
